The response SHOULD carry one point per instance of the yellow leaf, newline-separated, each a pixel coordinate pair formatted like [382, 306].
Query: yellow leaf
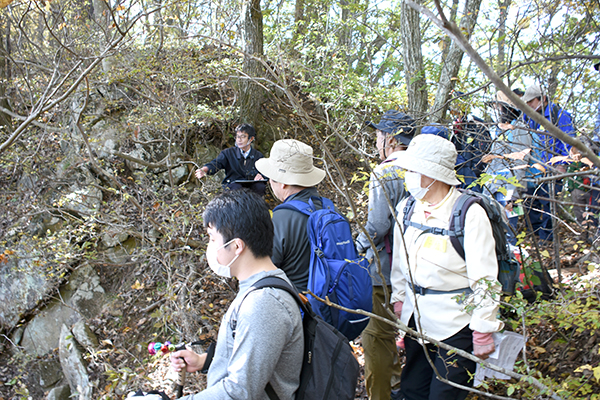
[4, 3]
[597, 374]
[545, 253]
[137, 285]
[120, 8]
[583, 368]
[575, 247]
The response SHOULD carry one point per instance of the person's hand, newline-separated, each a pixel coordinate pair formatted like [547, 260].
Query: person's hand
[187, 359]
[201, 173]
[509, 206]
[398, 308]
[258, 177]
[483, 344]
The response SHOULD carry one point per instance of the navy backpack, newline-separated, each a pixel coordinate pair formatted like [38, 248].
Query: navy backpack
[336, 271]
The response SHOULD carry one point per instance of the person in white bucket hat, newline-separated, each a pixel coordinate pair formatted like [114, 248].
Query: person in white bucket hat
[292, 177]
[428, 274]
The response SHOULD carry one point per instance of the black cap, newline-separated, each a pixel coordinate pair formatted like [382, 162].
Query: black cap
[518, 92]
[396, 123]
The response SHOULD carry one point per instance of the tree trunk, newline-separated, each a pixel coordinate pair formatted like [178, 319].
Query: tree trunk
[299, 19]
[345, 35]
[501, 62]
[414, 72]
[251, 94]
[5, 119]
[447, 40]
[452, 64]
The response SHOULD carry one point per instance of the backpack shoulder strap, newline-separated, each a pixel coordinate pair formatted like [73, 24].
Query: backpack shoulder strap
[269, 281]
[296, 205]
[409, 208]
[457, 221]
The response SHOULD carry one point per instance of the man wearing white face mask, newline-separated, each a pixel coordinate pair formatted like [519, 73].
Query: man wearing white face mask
[238, 163]
[429, 273]
[261, 338]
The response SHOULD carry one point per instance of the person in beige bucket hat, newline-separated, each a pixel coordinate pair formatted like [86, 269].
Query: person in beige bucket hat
[428, 273]
[292, 176]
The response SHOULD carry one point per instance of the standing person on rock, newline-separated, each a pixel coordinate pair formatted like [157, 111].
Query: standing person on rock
[238, 163]
[386, 189]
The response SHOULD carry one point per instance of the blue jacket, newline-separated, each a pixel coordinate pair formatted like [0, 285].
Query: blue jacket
[544, 146]
[234, 164]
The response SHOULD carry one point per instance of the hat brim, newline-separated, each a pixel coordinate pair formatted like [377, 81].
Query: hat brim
[405, 139]
[267, 168]
[428, 168]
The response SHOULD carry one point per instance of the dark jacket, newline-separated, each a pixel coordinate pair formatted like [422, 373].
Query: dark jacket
[235, 165]
[472, 140]
[291, 247]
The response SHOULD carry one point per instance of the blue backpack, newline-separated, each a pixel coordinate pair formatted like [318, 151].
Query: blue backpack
[336, 271]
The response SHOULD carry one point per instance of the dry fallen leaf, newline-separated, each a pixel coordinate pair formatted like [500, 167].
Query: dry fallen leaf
[519, 155]
[556, 159]
[539, 167]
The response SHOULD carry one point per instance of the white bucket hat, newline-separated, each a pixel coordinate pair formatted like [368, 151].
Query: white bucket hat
[432, 156]
[291, 162]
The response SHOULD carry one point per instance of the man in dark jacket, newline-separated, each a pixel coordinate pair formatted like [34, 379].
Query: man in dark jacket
[472, 140]
[292, 177]
[238, 163]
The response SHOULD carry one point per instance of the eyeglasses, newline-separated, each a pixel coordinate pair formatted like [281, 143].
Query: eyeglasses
[241, 137]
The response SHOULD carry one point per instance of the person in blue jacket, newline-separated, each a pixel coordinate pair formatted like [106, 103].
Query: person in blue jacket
[544, 148]
[238, 163]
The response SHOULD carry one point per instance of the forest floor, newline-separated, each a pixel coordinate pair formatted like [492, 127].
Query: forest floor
[134, 319]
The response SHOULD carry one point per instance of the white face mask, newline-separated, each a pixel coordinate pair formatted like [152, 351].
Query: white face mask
[211, 258]
[413, 184]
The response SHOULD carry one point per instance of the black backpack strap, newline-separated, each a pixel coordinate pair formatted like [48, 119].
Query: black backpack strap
[409, 208]
[457, 221]
[408, 211]
[271, 392]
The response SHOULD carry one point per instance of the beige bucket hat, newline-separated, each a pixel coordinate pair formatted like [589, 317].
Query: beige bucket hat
[432, 156]
[291, 162]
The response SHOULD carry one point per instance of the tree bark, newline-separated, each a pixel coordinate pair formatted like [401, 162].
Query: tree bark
[447, 40]
[5, 119]
[251, 94]
[453, 60]
[414, 72]
[501, 62]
